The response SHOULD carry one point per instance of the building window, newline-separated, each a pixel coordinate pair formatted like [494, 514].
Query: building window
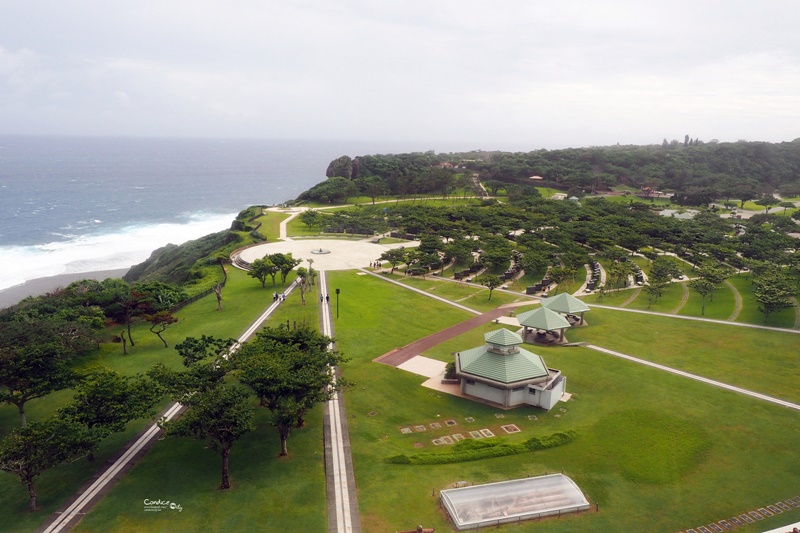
[470, 382]
[532, 391]
[517, 389]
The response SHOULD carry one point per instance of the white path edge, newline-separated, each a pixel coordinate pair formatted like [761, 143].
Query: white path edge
[695, 377]
[341, 493]
[76, 508]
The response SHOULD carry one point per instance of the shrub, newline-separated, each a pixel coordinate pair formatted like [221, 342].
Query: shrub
[475, 450]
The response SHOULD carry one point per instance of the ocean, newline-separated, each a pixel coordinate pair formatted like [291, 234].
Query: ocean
[75, 204]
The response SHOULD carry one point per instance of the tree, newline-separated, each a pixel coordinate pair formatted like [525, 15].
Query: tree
[655, 288]
[560, 274]
[375, 186]
[159, 322]
[285, 264]
[491, 282]
[312, 218]
[703, 287]
[39, 446]
[773, 291]
[261, 268]
[461, 251]
[785, 206]
[31, 371]
[220, 415]
[106, 401]
[714, 272]
[665, 268]
[290, 371]
[206, 361]
[767, 201]
[395, 256]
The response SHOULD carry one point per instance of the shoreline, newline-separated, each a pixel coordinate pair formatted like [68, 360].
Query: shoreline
[41, 286]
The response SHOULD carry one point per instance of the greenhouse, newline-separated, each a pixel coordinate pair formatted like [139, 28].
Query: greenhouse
[513, 501]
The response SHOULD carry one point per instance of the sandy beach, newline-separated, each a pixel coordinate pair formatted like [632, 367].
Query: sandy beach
[37, 287]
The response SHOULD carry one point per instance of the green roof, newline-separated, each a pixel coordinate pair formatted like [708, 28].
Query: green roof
[565, 303]
[505, 368]
[543, 318]
[502, 337]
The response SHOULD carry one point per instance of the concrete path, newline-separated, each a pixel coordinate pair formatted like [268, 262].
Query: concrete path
[420, 291]
[737, 297]
[695, 377]
[632, 297]
[684, 299]
[339, 477]
[90, 494]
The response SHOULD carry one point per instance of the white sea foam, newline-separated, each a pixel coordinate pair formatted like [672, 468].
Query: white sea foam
[102, 251]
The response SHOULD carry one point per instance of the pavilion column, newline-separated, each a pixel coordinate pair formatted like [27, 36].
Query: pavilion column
[561, 335]
[582, 317]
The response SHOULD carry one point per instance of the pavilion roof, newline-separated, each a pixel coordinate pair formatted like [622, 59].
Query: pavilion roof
[502, 337]
[565, 303]
[544, 319]
[504, 368]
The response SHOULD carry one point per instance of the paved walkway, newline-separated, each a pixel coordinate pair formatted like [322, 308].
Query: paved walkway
[401, 355]
[103, 481]
[737, 298]
[684, 299]
[339, 477]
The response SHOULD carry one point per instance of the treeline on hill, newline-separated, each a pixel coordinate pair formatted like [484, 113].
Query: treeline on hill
[696, 172]
[194, 264]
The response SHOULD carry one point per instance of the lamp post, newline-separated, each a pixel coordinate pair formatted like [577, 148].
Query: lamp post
[337, 303]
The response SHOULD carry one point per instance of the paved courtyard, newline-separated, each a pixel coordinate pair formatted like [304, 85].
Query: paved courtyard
[344, 255]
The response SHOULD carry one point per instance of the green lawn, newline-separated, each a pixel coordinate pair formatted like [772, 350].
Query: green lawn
[271, 224]
[750, 313]
[720, 308]
[286, 493]
[755, 359]
[468, 295]
[655, 451]
[662, 457]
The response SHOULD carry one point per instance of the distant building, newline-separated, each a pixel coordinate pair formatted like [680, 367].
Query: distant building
[503, 373]
[559, 196]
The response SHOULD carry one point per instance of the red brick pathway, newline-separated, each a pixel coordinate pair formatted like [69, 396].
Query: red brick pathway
[399, 356]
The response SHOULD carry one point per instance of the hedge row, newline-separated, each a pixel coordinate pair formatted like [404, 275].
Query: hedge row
[474, 450]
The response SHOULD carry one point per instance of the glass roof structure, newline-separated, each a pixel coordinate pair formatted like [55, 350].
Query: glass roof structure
[513, 501]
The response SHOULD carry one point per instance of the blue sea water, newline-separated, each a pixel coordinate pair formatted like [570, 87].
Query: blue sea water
[74, 204]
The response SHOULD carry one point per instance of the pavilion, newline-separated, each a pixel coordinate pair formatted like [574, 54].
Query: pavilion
[544, 321]
[502, 373]
[568, 305]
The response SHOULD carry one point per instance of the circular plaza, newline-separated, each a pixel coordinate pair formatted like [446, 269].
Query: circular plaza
[328, 254]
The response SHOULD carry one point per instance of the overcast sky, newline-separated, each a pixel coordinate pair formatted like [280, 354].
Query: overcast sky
[500, 74]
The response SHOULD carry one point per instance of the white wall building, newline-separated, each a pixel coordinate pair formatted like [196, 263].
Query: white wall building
[502, 373]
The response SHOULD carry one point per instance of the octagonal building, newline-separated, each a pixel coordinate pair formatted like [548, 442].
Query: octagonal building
[502, 373]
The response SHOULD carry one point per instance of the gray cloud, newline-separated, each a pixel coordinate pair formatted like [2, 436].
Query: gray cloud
[514, 72]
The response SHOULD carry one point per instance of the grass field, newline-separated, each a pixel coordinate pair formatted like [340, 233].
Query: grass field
[721, 308]
[655, 452]
[473, 297]
[661, 457]
[271, 224]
